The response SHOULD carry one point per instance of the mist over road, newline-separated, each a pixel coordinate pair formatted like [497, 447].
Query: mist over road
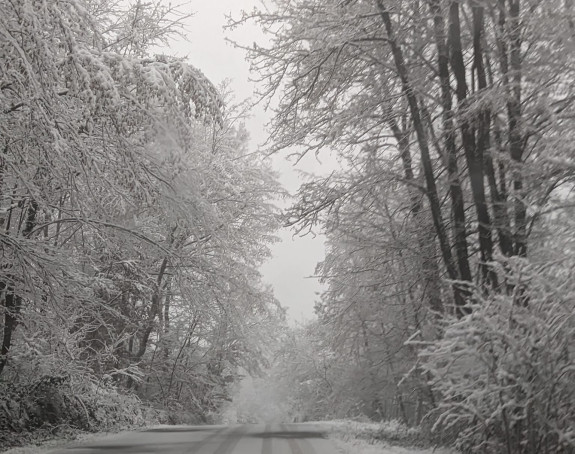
[306, 438]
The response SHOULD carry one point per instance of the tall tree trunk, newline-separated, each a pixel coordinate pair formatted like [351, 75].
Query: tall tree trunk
[12, 308]
[499, 194]
[455, 191]
[154, 310]
[159, 290]
[166, 317]
[13, 301]
[482, 147]
[474, 141]
[429, 265]
[516, 139]
[432, 194]
[509, 49]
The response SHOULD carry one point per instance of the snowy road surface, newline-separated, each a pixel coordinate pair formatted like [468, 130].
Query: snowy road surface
[246, 439]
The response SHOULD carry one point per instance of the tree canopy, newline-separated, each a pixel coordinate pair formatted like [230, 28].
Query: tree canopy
[133, 216]
[454, 121]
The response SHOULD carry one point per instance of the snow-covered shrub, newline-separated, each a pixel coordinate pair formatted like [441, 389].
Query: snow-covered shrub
[390, 431]
[51, 404]
[505, 373]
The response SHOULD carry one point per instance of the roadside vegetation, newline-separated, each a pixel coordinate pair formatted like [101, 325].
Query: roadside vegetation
[389, 437]
[449, 301]
[133, 220]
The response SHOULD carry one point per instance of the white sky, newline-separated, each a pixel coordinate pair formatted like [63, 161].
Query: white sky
[294, 258]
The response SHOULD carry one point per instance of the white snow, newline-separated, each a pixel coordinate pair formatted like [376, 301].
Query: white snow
[347, 436]
[364, 447]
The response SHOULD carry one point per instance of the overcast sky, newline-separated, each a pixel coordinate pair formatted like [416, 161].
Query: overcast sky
[294, 258]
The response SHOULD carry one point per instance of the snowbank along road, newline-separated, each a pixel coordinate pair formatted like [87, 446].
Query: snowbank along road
[245, 439]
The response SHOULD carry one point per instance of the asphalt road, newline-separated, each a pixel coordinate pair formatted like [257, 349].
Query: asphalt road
[245, 439]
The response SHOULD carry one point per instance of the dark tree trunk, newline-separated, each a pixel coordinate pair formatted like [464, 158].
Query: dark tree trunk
[516, 139]
[13, 301]
[455, 191]
[12, 308]
[166, 317]
[500, 192]
[509, 49]
[154, 311]
[474, 141]
[429, 265]
[432, 194]
[499, 196]
[482, 149]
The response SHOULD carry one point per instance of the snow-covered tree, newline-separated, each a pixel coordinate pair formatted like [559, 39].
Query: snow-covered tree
[454, 120]
[133, 216]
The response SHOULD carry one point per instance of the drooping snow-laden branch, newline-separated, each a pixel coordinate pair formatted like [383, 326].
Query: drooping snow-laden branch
[129, 201]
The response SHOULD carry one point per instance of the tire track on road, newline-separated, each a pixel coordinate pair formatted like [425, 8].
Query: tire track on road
[299, 446]
[267, 441]
[230, 442]
[197, 445]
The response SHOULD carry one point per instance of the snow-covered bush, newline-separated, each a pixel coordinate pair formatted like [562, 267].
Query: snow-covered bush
[56, 405]
[506, 372]
[392, 430]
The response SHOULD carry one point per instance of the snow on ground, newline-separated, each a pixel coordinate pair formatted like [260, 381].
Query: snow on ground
[355, 437]
[350, 437]
[44, 446]
[364, 447]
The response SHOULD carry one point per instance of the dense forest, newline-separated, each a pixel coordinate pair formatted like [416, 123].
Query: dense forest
[449, 269]
[134, 218]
